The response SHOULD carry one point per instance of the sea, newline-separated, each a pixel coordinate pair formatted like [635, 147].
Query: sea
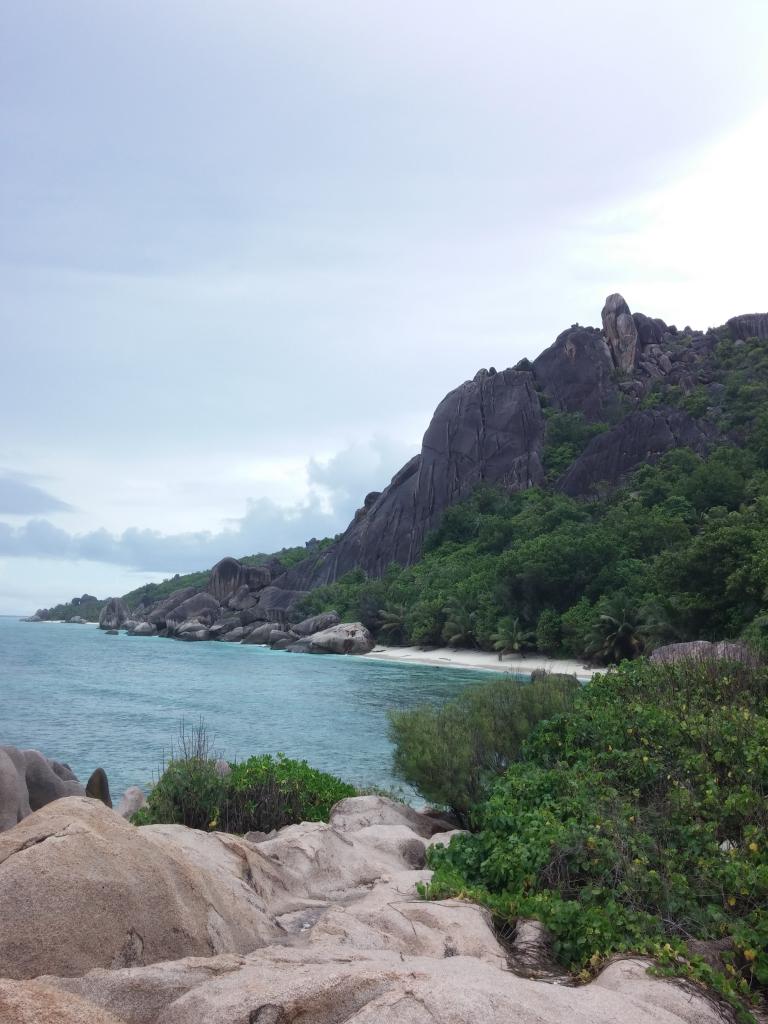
[90, 699]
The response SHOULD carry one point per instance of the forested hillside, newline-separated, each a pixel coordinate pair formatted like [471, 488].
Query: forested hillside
[679, 550]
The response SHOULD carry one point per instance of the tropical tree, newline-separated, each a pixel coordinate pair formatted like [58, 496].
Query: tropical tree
[392, 622]
[510, 637]
[460, 625]
[618, 633]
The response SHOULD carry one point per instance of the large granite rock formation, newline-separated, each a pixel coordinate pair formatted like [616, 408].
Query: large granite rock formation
[29, 781]
[489, 430]
[620, 332]
[492, 429]
[114, 614]
[106, 923]
[640, 437]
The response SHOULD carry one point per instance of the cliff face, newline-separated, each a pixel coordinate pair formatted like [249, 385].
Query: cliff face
[493, 429]
[489, 430]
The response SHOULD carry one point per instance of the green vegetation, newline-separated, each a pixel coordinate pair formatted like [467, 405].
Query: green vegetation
[680, 552]
[87, 607]
[453, 753]
[634, 821]
[157, 591]
[568, 434]
[260, 794]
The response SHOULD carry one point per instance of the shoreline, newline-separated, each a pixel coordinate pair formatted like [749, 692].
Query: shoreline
[481, 661]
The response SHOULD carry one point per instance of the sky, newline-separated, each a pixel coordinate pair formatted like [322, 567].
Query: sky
[246, 247]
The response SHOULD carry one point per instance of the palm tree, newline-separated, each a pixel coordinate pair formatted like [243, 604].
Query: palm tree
[618, 633]
[392, 622]
[459, 628]
[510, 637]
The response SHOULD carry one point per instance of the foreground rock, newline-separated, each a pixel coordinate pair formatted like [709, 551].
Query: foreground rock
[320, 923]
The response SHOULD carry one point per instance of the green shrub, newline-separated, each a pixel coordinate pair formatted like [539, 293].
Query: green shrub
[634, 822]
[188, 792]
[260, 794]
[265, 793]
[452, 753]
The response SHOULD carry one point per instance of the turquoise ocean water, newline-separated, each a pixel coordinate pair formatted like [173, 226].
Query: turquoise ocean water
[90, 699]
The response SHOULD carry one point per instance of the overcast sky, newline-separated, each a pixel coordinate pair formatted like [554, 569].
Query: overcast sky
[247, 247]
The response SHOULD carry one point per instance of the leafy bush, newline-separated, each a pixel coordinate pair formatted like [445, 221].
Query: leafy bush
[260, 794]
[451, 754]
[635, 822]
[265, 793]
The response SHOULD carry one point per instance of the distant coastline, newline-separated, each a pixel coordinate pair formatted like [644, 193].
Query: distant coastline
[481, 661]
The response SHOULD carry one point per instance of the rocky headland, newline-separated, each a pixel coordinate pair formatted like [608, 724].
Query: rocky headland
[108, 923]
[643, 387]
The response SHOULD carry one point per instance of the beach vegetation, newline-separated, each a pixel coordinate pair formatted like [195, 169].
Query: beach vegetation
[633, 821]
[265, 792]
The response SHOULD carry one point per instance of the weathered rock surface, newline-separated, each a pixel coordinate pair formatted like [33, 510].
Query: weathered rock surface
[33, 1003]
[80, 887]
[620, 332]
[749, 325]
[97, 787]
[490, 429]
[329, 913]
[132, 800]
[201, 608]
[316, 623]
[346, 638]
[703, 650]
[157, 616]
[114, 614]
[29, 781]
[261, 634]
[579, 374]
[143, 629]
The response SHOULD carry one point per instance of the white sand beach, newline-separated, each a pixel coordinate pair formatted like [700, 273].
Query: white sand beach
[481, 661]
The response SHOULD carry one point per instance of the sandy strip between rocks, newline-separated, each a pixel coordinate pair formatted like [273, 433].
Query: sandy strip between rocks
[480, 661]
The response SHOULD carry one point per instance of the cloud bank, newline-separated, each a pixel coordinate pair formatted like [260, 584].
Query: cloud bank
[336, 488]
[20, 497]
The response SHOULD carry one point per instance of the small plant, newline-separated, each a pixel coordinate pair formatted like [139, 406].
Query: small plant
[189, 789]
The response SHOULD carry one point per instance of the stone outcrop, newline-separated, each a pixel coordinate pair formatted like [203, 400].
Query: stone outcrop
[132, 800]
[620, 332]
[345, 638]
[488, 430]
[316, 623]
[703, 650]
[316, 923]
[114, 614]
[29, 781]
[749, 325]
[577, 374]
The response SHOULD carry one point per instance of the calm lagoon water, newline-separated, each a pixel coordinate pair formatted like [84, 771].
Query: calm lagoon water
[90, 699]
